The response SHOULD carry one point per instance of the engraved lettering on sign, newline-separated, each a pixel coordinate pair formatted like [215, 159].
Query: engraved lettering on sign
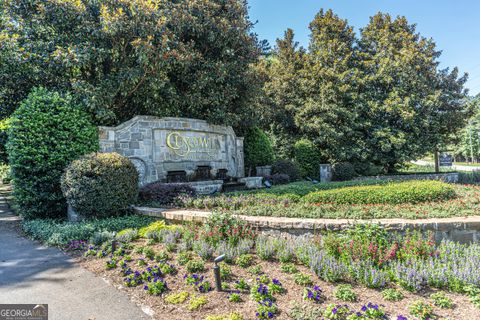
[183, 145]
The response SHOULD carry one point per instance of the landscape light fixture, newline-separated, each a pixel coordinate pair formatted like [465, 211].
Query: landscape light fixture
[216, 272]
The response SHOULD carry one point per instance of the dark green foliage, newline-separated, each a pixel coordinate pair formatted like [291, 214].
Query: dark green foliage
[415, 112]
[100, 184]
[47, 132]
[287, 167]
[258, 150]
[56, 232]
[343, 171]
[282, 95]
[128, 57]
[308, 158]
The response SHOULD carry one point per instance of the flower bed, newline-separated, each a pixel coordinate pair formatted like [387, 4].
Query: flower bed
[292, 278]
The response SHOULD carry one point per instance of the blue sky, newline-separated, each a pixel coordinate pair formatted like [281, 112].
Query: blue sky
[454, 25]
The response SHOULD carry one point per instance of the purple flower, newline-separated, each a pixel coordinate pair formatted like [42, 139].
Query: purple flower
[400, 317]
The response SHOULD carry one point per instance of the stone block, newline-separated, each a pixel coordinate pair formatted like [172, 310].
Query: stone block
[252, 182]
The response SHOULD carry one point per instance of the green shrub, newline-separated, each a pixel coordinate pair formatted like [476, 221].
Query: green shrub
[258, 149]
[100, 184]
[193, 266]
[441, 300]
[345, 292]
[290, 168]
[421, 310]
[177, 298]
[391, 294]
[392, 193]
[343, 171]
[308, 158]
[47, 132]
[4, 126]
[5, 175]
[55, 232]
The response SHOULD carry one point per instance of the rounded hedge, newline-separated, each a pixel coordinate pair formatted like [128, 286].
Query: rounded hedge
[47, 132]
[258, 149]
[343, 171]
[392, 193]
[290, 168]
[100, 184]
[308, 158]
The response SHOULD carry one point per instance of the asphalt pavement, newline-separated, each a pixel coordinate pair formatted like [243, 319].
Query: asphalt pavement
[34, 274]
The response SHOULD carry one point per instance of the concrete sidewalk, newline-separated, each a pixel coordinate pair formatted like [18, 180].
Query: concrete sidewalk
[31, 273]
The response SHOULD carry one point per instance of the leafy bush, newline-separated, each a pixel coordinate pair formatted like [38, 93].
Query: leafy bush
[100, 184]
[57, 233]
[164, 193]
[278, 178]
[345, 292]
[47, 132]
[308, 158]
[441, 300]
[472, 177]
[5, 175]
[290, 168]
[258, 149]
[391, 294]
[343, 171]
[152, 227]
[392, 193]
[421, 310]
[4, 126]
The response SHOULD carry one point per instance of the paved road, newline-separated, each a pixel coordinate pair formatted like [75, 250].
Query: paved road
[454, 167]
[31, 273]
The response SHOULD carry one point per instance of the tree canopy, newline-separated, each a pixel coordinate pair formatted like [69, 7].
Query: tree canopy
[121, 58]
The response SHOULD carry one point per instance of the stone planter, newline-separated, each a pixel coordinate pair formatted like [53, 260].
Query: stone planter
[325, 172]
[252, 182]
[263, 171]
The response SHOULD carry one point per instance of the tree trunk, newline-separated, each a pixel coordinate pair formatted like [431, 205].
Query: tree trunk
[435, 159]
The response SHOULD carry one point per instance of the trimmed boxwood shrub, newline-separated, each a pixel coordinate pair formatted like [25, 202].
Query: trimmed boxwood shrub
[290, 168]
[258, 149]
[164, 193]
[343, 171]
[46, 133]
[392, 193]
[308, 158]
[100, 184]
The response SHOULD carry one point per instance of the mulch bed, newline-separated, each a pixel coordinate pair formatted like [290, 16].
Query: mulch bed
[218, 303]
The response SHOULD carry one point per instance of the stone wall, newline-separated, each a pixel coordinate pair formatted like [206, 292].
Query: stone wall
[451, 177]
[461, 229]
[159, 145]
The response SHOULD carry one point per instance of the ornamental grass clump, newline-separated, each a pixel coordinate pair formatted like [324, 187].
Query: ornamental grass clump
[203, 249]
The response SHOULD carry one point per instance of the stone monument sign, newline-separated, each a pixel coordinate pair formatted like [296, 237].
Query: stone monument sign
[176, 149]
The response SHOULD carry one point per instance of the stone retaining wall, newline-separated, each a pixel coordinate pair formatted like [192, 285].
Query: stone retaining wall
[451, 177]
[461, 229]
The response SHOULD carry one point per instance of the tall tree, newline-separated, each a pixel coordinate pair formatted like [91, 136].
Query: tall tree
[283, 98]
[328, 116]
[126, 57]
[406, 100]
